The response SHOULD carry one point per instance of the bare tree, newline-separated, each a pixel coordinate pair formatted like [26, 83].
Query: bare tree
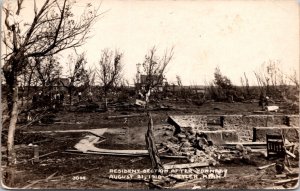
[77, 74]
[48, 70]
[154, 70]
[294, 78]
[110, 70]
[52, 29]
[245, 86]
[32, 78]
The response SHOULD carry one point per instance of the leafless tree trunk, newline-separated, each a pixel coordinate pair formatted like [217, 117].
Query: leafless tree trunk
[78, 75]
[47, 35]
[12, 123]
[110, 71]
[154, 70]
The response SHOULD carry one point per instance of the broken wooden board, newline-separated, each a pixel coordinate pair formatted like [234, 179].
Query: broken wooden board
[274, 108]
[150, 143]
[125, 116]
[39, 157]
[280, 175]
[108, 153]
[260, 112]
[112, 153]
[121, 152]
[37, 181]
[97, 132]
[188, 165]
[266, 166]
[287, 181]
[262, 145]
[290, 154]
[140, 102]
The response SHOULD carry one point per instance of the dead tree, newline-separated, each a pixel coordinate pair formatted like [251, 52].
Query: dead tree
[48, 70]
[154, 71]
[77, 74]
[110, 71]
[52, 29]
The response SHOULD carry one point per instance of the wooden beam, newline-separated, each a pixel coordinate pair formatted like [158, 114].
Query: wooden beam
[122, 154]
[266, 166]
[112, 153]
[125, 116]
[152, 150]
[39, 157]
[188, 165]
[290, 154]
[286, 181]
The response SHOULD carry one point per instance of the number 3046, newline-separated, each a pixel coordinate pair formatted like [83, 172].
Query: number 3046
[79, 178]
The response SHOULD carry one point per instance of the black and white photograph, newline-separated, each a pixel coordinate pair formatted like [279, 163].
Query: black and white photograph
[150, 94]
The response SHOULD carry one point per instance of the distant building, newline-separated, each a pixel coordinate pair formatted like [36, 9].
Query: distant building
[142, 82]
[194, 89]
[61, 84]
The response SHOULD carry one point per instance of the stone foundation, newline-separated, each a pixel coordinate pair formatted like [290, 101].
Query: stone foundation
[290, 133]
[242, 124]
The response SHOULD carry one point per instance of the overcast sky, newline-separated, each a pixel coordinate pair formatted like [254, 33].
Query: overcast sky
[238, 36]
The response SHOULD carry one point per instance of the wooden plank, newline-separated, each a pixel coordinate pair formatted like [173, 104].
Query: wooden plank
[150, 143]
[97, 132]
[266, 166]
[246, 143]
[122, 154]
[252, 145]
[188, 165]
[280, 175]
[110, 153]
[39, 157]
[125, 116]
[173, 156]
[170, 163]
[286, 181]
[290, 154]
[37, 181]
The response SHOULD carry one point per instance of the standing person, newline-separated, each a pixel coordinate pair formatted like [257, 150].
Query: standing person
[34, 101]
[79, 96]
[90, 96]
[263, 101]
[57, 99]
[40, 99]
[62, 97]
[267, 101]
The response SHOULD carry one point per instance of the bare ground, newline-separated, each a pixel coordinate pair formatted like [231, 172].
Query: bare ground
[240, 174]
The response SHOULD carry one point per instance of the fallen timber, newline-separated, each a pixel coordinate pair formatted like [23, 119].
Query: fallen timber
[190, 165]
[246, 144]
[125, 116]
[126, 153]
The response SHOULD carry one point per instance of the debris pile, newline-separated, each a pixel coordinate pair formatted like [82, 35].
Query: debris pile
[196, 146]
